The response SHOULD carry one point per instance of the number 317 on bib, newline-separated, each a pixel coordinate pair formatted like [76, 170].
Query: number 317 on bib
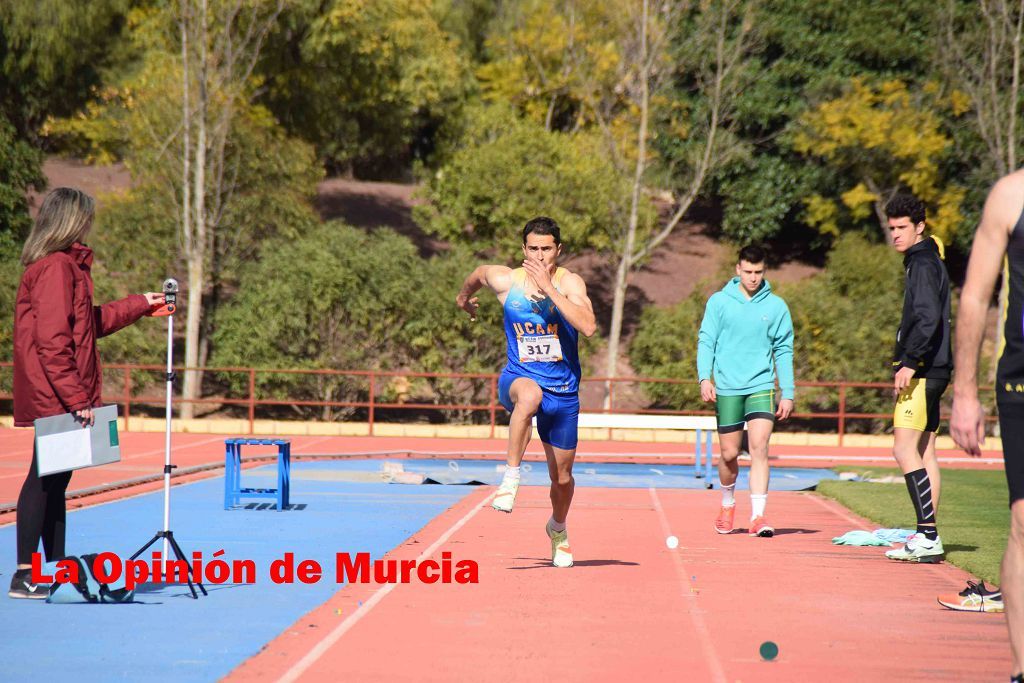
[540, 349]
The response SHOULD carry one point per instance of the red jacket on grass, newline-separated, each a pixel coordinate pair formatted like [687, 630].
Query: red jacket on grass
[56, 364]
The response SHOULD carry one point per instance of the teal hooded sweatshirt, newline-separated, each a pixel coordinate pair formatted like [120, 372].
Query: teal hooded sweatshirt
[744, 342]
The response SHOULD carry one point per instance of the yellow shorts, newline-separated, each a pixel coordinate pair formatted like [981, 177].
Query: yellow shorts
[917, 406]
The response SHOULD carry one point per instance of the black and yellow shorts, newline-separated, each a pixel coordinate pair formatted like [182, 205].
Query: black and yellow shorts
[917, 406]
[733, 411]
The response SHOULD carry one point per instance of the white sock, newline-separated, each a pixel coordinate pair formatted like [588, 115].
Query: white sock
[556, 526]
[511, 473]
[758, 501]
[728, 494]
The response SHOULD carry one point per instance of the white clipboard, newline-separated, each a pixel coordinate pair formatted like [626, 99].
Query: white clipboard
[63, 444]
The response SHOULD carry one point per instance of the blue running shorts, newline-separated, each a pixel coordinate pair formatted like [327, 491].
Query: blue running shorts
[557, 418]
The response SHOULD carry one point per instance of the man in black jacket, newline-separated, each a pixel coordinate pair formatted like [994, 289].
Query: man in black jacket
[922, 364]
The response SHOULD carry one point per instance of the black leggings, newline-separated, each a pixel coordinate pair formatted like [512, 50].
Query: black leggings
[42, 514]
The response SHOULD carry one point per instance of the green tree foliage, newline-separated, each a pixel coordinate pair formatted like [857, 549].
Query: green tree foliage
[258, 182]
[560, 64]
[135, 250]
[342, 299]
[272, 177]
[844, 323]
[808, 52]
[52, 55]
[371, 83]
[665, 347]
[510, 170]
[811, 50]
[517, 108]
[20, 169]
[608, 70]
[762, 194]
[10, 275]
[468, 22]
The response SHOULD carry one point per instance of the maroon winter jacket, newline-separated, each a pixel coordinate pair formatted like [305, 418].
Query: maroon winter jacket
[56, 365]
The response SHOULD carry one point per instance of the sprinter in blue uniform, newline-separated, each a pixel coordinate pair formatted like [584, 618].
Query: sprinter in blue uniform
[545, 310]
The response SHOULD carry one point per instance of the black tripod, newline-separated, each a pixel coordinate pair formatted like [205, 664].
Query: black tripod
[168, 309]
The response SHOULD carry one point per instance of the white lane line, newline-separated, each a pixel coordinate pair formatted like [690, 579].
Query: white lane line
[710, 656]
[341, 629]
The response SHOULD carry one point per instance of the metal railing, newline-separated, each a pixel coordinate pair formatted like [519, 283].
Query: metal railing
[129, 395]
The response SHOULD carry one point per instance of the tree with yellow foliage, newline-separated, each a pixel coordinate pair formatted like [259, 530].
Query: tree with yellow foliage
[560, 64]
[882, 139]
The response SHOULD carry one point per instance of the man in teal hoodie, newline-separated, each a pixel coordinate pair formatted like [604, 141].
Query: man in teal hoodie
[745, 341]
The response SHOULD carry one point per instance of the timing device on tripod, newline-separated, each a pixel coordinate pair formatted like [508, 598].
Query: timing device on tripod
[168, 309]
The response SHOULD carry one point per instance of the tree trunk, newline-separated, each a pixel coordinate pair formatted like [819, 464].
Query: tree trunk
[615, 331]
[883, 223]
[186, 125]
[726, 59]
[626, 257]
[193, 320]
[879, 206]
[197, 255]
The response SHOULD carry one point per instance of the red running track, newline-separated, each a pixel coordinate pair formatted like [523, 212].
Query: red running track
[632, 609]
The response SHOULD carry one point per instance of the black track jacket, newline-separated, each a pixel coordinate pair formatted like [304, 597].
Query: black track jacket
[922, 342]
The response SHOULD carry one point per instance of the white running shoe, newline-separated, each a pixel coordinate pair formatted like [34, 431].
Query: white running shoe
[505, 498]
[561, 554]
[918, 549]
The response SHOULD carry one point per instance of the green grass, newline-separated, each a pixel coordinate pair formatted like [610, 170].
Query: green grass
[973, 514]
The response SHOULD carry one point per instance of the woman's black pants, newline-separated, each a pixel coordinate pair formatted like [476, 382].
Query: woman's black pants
[42, 514]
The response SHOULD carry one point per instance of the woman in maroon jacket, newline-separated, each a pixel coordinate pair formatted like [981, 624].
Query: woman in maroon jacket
[56, 365]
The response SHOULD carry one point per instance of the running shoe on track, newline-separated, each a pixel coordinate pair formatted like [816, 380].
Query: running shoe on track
[977, 597]
[561, 554]
[723, 523]
[505, 498]
[918, 549]
[23, 587]
[759, 527]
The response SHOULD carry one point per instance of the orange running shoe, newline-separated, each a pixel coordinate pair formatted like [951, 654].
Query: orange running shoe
[759, 527]
[977, 597]
[723, 523]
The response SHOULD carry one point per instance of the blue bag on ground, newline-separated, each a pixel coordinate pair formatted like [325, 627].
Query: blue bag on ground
[88, 588]
[882, 537]
[859, 537]
[894, 535]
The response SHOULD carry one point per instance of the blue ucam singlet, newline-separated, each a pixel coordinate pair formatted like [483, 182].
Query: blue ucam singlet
[532, 329]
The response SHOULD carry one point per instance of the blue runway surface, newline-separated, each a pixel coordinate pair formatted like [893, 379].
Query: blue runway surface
[609, 475]
[168, 636]
[344, 506]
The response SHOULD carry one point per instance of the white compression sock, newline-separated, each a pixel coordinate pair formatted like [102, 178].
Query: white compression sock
[556, 526]
[728, 494]
[758, 501]
[511, 473]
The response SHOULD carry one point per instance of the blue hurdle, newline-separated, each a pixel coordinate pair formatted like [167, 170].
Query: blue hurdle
[233, 490]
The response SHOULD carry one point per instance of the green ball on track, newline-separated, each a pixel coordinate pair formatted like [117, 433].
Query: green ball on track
[769, 650]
